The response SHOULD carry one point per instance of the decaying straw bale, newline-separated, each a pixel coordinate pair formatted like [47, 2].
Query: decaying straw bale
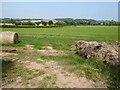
[8, 37]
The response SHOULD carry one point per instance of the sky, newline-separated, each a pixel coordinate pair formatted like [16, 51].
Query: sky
[60, 0]
[52, 10]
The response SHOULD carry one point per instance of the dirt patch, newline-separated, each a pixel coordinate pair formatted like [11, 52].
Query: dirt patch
[50, 52]
[15, 85]
[8, 51]
[63, 79]
[34, 65]
[47, 50]
[47, 47]
[28, 47]
[44, 81]
[2, 54]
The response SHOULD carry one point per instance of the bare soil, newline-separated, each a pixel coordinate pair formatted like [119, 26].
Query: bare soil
[47, 50]
[63, 79]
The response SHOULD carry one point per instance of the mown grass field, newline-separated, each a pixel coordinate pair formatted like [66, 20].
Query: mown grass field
[62, 38]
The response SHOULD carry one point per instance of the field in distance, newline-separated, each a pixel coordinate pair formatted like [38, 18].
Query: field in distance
[64, 37]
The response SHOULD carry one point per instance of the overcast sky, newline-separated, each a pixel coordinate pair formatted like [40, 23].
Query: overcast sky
[51, 10]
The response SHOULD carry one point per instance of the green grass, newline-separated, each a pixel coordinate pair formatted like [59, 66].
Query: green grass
[48, 82]
[91, 68]
[11, 71]
[63, 37]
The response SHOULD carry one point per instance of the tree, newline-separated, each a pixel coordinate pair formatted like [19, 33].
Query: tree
[50, 22]
[61, 23]
[44, 23]
[30, 23]
[18, 23]
[38, 23]
[12, 21]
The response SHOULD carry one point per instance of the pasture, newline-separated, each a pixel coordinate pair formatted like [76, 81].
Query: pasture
[64, 37]
[59, 38]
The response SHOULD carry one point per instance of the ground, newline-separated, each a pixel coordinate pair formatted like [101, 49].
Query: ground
[49, 73]
[42, 58]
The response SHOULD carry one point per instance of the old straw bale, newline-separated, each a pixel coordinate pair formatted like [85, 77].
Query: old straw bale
[8, 37]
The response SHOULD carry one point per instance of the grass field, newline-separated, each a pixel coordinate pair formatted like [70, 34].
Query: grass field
[63, 38]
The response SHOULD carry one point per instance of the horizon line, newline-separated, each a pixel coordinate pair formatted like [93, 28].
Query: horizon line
[62, 18]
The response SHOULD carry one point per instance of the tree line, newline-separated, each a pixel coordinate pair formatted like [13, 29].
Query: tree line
[70, 21]
[61, 22]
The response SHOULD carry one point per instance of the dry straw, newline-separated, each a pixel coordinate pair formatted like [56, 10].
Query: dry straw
[8, 37]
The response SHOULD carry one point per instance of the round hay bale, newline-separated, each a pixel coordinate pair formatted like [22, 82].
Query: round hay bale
[8, 37]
